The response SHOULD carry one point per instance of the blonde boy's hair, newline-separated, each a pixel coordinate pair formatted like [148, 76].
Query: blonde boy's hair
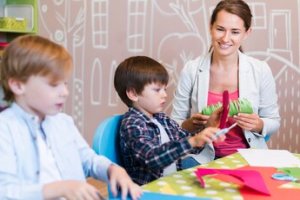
[32, 55]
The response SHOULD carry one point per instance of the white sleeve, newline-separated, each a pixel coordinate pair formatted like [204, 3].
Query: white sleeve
[182, 97]
[11, 187]
[93, 165]
[268, 107]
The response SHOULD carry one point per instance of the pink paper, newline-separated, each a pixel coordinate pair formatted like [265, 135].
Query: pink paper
[250, 178]
[225, 112]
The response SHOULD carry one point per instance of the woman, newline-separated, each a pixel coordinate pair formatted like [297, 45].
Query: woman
[225, 67]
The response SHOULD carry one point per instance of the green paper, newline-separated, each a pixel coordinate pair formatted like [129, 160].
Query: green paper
[235, 107]
[292, 171]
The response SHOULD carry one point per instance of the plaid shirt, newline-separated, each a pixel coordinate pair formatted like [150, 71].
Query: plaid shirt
[143, 155]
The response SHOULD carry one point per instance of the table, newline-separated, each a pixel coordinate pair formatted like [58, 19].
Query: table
[185, 182]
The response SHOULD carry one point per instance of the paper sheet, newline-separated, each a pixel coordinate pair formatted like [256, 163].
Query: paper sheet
[269, 158]
[292, 171]
[249, 178]
[277, 193]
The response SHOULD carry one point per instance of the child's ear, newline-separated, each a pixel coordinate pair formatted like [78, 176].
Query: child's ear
[132, 95]
[16, 86]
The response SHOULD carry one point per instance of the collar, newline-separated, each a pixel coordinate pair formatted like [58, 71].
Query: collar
[23, 114]
[156, 116]
[205, 63]
[32, 121]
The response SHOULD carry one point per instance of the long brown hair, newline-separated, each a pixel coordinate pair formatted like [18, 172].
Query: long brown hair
[235, 7]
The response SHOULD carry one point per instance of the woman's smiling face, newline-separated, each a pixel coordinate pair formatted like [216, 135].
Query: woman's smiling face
[227, 33]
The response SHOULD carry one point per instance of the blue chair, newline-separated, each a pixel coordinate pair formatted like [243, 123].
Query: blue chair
[106, 141]
[267, 138]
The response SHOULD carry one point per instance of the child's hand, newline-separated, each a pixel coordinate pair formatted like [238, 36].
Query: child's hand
[205, 136]
[118, 177]
[71, 190]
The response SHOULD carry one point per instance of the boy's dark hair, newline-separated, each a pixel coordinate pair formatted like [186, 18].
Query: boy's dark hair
[136, 72]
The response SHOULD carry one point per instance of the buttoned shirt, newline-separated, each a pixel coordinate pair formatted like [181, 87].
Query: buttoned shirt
[143, 154]
[19, 155]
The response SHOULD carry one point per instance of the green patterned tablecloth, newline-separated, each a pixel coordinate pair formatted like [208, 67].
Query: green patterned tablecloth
[185, 182]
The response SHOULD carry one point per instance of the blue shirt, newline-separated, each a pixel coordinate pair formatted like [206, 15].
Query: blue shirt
[19, 156]
[143, 155]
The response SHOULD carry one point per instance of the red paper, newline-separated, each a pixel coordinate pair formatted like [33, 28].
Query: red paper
[249, 178]
[3, 44]
[225, 109]
[277, 193]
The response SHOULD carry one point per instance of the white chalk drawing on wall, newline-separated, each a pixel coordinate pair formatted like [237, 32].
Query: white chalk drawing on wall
[280, 29]
[100, 19]
[184, 54]
[137, 15]
[259, 19]
[69, 30]
[100, 40]
[183, 12]
[113, 99]
[96, 77]
[286, 95]
[173, 32]
[185, 15]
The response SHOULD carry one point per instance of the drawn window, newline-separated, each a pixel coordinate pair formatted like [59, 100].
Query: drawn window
[100, 23]
[136, 25]
[259, 15]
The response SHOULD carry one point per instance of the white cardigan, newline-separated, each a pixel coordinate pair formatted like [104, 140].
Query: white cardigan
[256, 83]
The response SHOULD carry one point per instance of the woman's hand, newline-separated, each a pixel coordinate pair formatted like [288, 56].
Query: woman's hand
[249, 122]
[214, 118]
[199, 121]
[196, 122]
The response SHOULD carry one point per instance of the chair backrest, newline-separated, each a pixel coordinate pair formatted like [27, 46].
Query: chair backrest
[106, 139]
[267, 138]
